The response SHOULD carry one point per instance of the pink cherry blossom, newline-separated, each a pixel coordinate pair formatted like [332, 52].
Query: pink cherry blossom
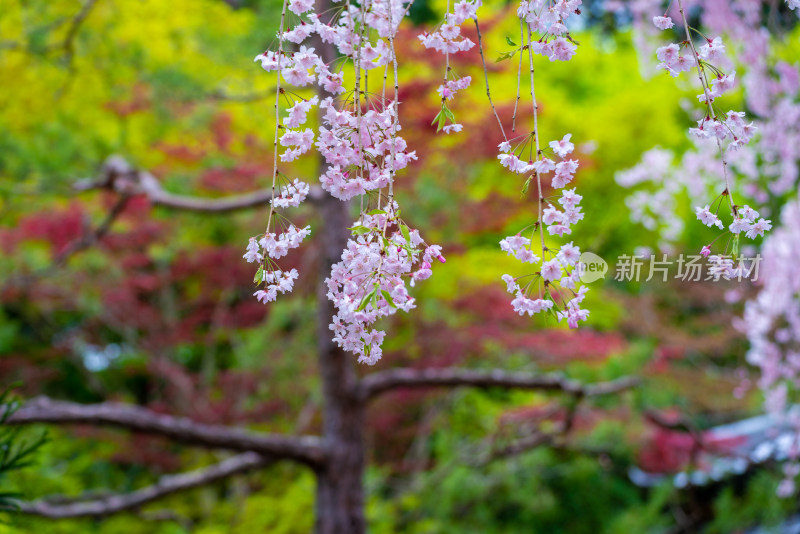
[563, 147]
[663, 23]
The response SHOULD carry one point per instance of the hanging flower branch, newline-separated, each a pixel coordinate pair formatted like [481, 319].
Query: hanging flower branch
[555, 286]
[730, 128]
[280, 235]
[447, 39]
[358, 137]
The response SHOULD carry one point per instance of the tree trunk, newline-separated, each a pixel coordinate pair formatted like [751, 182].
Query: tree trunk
[340, 490]
[340, 493]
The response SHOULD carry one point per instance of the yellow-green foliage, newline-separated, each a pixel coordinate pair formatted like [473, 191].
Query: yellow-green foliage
[57, 100]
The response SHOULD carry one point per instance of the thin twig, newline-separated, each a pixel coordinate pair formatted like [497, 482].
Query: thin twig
[708, 103]
[486, 79]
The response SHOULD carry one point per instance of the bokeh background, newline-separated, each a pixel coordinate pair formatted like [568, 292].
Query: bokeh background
[159, 311]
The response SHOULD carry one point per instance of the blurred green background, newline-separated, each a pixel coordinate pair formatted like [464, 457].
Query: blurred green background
[159, 312]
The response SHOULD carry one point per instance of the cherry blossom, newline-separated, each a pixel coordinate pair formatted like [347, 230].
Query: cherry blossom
[563, 147]
[663, 23]
[705, 216]
[291, 195]
[298, 7]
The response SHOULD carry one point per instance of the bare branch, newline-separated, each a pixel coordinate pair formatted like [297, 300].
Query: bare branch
[120, 176]
[167, 485]
[556, 438]
[72, 32]
[90, 238]
[520, 446]
[611, 387]
[251, 200]
[382, 381]
[304, 449]
[552, 440]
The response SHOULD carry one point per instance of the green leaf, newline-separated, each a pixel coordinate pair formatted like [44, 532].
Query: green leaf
[510, 42]
[437, 118]
[506, 55]
[259, 275]
[388, 298]
[366, 300]
[360, 230]
[527, 183]
[406, 233]
[377, 212]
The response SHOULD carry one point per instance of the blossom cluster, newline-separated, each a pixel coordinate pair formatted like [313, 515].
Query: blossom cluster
[733, 127]
[362, 150]
[451, 87]
[772, 320]
[448, 39]
[273, 245]
[268, 247]
[359, 137]
[744, 221]
[548, 19]
[766, 166]
[291, 195]
[558, 221]
[305, 67]
[369, 282]
[711, 125]
[563, 268]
